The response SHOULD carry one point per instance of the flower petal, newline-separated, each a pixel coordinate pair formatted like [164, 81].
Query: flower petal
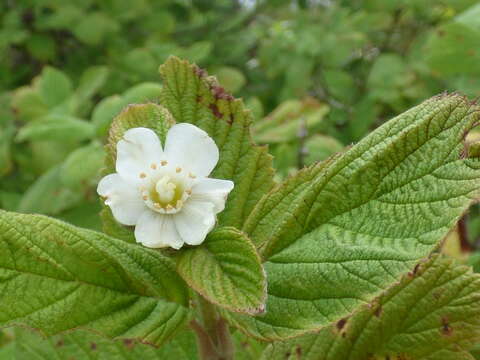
[138, 149]
[124, 200]
[212, 190]
[156, 230]
[191, 148]
[195, 221]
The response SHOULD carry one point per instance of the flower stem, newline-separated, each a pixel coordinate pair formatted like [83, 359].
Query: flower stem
[212, 332]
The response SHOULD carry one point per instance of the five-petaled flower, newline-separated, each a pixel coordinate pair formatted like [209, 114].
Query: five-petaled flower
[166, 192]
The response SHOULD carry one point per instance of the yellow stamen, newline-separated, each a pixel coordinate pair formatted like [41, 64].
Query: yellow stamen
[145, 197]
[169, 207]
[153, 166]
[189, 192]
[192, 176]
[143, 175]
[157, 205]
[178, 169]
[163, 162]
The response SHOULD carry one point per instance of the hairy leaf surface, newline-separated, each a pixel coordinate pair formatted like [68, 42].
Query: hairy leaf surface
[226, 270]
[362, 218]
[192, 96]
[82, 345]
[432, 313]
[56, 277]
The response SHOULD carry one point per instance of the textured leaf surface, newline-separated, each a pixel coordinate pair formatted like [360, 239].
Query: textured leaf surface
[55, 277]
[362, 218]
[82, 345]
[191, 96]
[226, 270]
[432, 313]
[151, 116]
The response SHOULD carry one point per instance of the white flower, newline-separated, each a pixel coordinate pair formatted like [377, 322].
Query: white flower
[166, 193]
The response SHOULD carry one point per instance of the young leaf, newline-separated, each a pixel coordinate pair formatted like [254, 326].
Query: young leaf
[191, 96]
[362, 218]
[432, 313]
[83, 345]
[56, 277]
[226, 270]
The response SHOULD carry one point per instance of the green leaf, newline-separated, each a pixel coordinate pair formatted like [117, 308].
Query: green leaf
[48, 195]
[28, 104]
[145, 92]
[193, 97]
[151, 116]
[432, 313]
[362, 218]
[231, 78]
[320, 147]
[65, 278]
[288, 119]
[94, 27]
[54, 87]
[226, 270]
[105, 111]
[453, 49]
[83, 345]
[82, 167]
[62, 128]
[91, 81]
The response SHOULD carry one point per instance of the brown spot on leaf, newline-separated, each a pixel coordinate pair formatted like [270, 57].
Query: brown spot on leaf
[378, 311]
[220, 93]
[215, 110]
[298, 351]
[446, 328]
[199, 99]
[199, 71]
[129, 343]
[60, 343]
[414, 271]
[93, 346]
[341, 323]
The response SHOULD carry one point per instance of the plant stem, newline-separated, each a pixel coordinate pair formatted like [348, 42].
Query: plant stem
[212, 332]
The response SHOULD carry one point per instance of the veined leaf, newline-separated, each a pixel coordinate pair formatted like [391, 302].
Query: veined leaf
[362, 218]
[56, 277]
[226, 270]
[191, 96]
[83, 345]
[432, 313]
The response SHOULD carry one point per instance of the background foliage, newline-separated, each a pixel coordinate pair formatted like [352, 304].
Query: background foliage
[318, 75]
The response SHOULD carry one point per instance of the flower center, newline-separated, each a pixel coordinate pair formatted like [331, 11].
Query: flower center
[165, 189]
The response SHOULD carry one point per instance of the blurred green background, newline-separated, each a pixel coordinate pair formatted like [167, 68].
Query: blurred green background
[317, 75]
